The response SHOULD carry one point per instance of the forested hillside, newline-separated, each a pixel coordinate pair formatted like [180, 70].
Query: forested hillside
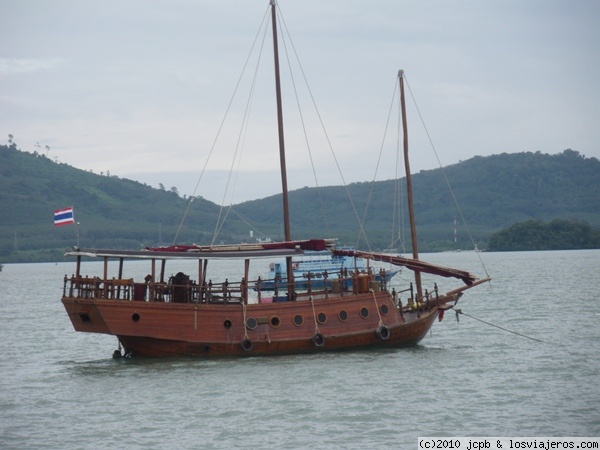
[112, 212]
[493, 193]
[558, 234]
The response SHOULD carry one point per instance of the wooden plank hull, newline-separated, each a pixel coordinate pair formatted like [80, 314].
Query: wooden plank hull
[205, 330]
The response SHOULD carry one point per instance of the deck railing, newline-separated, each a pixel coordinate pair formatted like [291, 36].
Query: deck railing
[127, 289]
[344, 283]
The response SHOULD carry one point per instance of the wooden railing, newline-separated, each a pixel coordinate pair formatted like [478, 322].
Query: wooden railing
[345, 283]
[127, 289]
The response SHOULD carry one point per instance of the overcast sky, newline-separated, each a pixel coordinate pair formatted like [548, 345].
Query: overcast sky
[139, 88]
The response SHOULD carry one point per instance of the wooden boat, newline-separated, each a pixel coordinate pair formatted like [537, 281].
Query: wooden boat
[192, 315]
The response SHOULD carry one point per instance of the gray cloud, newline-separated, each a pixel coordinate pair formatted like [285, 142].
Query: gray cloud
[139, 88]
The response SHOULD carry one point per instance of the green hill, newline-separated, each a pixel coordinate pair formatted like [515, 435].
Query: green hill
[536, 235]
[494, 192]
[112, 212]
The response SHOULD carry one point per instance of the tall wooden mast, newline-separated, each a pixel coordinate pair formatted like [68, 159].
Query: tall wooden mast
[283, 169]
[409, 194]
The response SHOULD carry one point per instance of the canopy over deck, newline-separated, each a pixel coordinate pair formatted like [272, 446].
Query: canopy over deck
[238, 251]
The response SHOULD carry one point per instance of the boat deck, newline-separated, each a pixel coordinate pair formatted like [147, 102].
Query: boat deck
[186, 290]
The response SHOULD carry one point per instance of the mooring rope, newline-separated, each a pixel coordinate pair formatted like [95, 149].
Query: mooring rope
[245, 327]
[312, 302]
[459, 311]
[381, 324]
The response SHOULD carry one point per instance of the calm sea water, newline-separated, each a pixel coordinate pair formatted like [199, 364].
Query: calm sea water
[62, 389]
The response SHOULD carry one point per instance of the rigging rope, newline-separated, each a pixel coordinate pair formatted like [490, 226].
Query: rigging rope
[212, 148]
[245, 327]
[239, 146]
[445, 177]
[247, 223]
[381, 324]
[312, 164]
[317, 112]
[370, 196]
[459, 311]
[312, 302]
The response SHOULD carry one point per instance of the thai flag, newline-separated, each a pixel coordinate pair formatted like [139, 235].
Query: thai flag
[64, 216]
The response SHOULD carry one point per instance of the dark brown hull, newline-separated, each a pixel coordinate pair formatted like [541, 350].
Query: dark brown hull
[166, 329]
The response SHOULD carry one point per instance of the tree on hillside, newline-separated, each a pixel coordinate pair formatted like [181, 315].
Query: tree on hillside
[558, 234]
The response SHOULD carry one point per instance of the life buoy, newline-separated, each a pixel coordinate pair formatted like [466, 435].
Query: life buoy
[247, 344]
[383, 333]
[319, 340]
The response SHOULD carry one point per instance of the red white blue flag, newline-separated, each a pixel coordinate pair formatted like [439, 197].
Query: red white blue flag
[64, 216]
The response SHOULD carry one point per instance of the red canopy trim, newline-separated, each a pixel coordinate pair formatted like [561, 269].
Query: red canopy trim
[306, 245]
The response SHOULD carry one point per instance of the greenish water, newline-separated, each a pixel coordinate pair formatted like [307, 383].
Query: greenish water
[62, 389]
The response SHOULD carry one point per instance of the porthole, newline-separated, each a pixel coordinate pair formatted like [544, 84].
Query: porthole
[251, 323]
[298, 320]
[135, 317]
[275, 322]
[364, 312]
[343, 315]
[384, 309]
[227, 323]
[321, 317]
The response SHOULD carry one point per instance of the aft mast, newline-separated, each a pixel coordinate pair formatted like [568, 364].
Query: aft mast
[283, 169]
[411, 212]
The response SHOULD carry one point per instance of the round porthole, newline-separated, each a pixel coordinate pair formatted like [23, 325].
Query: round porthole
[251, 323]
[343, 315]
[227, 323]
[298, 320]
[364, 312]
[321, 317]
[135, 317]
[275, 322]
[384, 309]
